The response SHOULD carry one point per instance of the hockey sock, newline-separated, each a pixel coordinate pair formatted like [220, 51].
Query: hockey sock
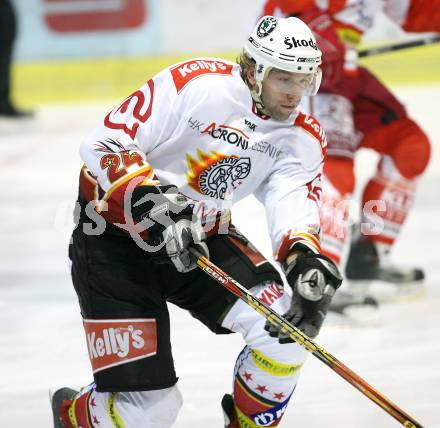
[387, 200]
[266, 372]
[334, 215]
[262, 388]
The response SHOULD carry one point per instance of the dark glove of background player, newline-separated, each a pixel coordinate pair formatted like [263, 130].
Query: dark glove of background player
[314, 279]
[172, 225]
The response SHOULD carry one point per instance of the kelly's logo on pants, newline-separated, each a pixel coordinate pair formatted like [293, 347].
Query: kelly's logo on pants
[112, 342]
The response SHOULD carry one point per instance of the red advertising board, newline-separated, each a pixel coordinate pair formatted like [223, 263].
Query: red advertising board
[94, 15]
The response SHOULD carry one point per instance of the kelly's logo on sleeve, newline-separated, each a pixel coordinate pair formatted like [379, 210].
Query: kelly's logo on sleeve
[113, 342]
[185, 72]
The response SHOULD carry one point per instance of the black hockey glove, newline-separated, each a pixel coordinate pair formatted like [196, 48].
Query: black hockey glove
[173, 227]
[314, 279]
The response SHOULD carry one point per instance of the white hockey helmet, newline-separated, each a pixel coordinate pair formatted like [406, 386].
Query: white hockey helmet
[287, 44]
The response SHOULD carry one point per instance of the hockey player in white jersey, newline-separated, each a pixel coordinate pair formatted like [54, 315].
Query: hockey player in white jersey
[160, 174]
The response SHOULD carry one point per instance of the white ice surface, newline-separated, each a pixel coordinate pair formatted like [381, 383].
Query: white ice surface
[42, 344]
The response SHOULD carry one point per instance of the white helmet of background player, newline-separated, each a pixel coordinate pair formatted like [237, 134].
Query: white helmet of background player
[285, 44]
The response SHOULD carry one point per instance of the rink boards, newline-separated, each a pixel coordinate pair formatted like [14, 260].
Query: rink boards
[39, 83]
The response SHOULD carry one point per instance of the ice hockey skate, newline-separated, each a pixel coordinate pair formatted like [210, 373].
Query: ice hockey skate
[368, 271]
[228, 411]
[61, 398]
[353, 308]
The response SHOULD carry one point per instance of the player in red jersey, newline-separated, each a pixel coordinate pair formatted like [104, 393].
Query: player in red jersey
[358, 111]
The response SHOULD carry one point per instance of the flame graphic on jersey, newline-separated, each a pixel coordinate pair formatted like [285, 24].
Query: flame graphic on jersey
[196, 168]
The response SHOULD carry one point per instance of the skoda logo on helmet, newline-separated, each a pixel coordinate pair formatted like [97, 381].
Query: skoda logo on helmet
[266, 26]
[291, 41]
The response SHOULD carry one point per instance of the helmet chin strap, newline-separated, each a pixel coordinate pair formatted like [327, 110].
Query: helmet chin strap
[259, 86]
[256, 96]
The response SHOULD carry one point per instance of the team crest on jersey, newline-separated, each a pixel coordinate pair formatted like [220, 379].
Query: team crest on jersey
[215, 174]
[266, 26]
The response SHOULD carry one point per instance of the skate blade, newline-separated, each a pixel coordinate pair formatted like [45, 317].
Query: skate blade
[362, 315]
[388, 292]
[358, 316]
[358, 287]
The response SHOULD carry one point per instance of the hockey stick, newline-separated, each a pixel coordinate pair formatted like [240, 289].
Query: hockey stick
[298, 336]
[429, 40]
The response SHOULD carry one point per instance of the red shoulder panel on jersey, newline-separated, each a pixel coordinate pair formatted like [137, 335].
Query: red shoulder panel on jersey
[142, 110]
[312, 126]
[189, 70]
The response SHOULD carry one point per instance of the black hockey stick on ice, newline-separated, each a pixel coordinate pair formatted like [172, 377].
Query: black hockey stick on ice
[298, 336]
[429, 40]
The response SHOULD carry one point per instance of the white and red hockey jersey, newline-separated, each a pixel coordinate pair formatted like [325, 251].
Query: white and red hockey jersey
[195, 125]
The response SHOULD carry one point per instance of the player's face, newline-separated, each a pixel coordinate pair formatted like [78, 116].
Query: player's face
[282, 92]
